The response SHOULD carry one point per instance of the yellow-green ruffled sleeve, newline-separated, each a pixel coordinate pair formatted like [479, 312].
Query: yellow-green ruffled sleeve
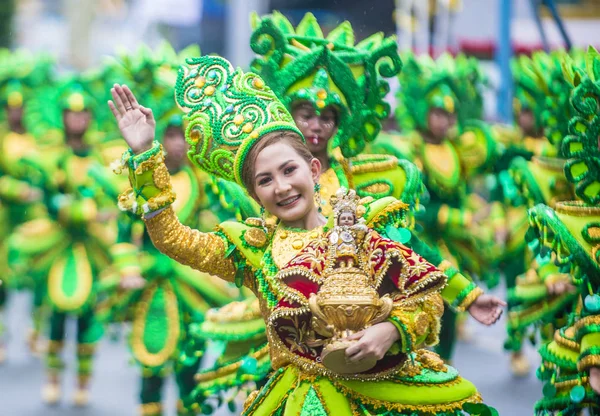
[151, 194]
[418, 324]
[460, 292]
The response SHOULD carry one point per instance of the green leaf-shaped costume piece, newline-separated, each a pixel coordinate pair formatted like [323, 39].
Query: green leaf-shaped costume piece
[302, 65]
[581, 146]
[227, 112]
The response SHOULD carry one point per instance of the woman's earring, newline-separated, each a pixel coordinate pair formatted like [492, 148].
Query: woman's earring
[318, 199]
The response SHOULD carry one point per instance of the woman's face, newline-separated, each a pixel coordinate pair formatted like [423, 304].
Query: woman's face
[317, 129]
[284, 182]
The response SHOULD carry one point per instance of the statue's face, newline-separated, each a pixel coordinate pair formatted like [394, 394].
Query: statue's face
[346, 219]
[317, 127]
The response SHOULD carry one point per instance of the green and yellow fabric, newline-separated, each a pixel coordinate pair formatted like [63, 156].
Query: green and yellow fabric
[70, 246]
[572, 232]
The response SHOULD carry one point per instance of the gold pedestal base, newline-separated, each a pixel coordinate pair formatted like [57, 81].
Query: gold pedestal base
[334, 358]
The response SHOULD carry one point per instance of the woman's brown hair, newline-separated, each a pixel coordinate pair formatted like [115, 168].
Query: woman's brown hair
[287, 137]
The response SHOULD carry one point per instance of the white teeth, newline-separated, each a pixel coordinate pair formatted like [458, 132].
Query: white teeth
[288, 201]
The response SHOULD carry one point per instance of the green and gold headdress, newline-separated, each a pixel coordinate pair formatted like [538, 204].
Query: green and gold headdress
[228, 111]
[302, 64]
[423, 85]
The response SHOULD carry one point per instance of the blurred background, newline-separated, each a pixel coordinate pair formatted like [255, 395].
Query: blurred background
[80, 32]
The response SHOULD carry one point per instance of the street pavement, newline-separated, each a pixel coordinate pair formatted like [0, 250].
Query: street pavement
[115, 383]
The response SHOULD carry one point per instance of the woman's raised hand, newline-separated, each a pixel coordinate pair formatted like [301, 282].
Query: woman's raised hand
[136, 123]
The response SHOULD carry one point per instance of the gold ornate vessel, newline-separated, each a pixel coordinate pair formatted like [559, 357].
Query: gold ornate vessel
[345, 304]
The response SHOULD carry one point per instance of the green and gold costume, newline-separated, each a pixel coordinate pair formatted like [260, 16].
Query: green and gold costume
[20, 76]
[540, 180]
[69, 247]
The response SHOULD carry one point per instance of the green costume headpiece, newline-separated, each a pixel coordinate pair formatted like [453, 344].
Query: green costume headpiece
[21, 74]
[423, 85]
[227, 112]
[13, 95]
[470, 83]
[302, 64]
[44, 114]
[530, 87]
[543, 86]
[75, 98]
[152, 73]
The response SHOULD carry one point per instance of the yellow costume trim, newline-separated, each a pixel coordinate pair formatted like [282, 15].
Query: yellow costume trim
[150, 409]
[437, 408]
[444, 265]
[86, 349]
[587, 362]
[202, 251]
[588, 320]
[385, 163]
[565, 342]
[140, 351]
[564, 385]
[382, 216]
[84, 278]
[54, 347]
[577, 208]
[469, 299]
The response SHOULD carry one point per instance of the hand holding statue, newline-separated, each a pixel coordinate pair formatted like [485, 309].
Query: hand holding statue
[136, 123]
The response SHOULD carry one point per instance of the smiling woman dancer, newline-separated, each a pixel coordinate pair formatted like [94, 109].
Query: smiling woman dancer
[238, 130]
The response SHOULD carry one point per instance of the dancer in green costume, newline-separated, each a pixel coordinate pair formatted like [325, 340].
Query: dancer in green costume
[19, 201]
[541, 297]
[428, 108]
[251, 254]
[571, 231]
[70, 247]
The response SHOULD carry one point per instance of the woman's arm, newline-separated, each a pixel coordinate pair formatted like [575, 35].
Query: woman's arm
[151, 192]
